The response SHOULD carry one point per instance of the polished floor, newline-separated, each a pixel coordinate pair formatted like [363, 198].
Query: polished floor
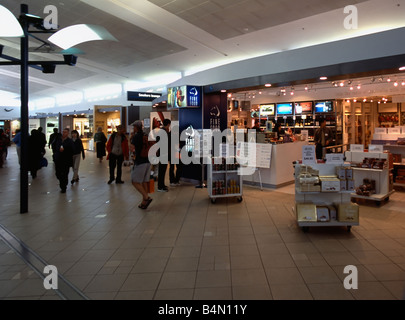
[183, 247]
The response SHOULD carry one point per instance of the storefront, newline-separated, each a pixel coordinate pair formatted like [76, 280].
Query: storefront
[82, 121]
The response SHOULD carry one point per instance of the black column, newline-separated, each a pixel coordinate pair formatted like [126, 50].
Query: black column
[24, 113]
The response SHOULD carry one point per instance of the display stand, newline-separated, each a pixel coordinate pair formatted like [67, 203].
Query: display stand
[330, 200]
[224, 180]
[381, 176]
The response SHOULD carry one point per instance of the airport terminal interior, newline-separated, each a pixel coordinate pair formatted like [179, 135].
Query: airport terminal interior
[318, 213]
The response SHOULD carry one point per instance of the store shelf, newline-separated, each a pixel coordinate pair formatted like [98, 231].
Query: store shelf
[375, 197]
[368, 169]
[327, 223]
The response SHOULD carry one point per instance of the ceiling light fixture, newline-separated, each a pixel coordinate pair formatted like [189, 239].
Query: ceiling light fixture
[9, 25]
[74, 35]
[323, 78]
[268, 85]
[402, 68]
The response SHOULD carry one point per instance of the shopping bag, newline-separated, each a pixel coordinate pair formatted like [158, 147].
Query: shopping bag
[151, 186]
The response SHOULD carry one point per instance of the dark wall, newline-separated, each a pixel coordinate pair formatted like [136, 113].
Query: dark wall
[215, 111]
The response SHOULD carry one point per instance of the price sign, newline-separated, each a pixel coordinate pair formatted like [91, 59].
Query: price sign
[375, 148]
[356, 148]
[308, 154]
[335, 158]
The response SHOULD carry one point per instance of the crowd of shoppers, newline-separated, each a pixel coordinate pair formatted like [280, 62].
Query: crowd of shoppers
[68, 151]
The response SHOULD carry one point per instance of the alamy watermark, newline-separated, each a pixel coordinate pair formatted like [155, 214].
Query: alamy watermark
[51, 281]
[352, 280]
[351, 21]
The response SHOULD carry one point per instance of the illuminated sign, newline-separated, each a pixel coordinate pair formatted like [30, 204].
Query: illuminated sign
[184, 97]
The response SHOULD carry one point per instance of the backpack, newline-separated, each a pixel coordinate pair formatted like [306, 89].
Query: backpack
[146, 145]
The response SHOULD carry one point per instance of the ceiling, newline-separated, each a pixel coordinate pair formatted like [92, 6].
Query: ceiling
[160, 41]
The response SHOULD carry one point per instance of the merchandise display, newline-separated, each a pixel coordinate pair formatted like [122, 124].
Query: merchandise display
[223, 179]
[321, 196]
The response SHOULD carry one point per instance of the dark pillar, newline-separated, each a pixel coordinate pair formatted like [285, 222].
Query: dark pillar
[24, 113]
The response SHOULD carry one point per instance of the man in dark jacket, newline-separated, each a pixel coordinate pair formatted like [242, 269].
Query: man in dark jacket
[118, 151]
[63, 147]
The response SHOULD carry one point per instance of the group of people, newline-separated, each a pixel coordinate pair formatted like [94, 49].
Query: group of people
[67, 152]
[119, 148]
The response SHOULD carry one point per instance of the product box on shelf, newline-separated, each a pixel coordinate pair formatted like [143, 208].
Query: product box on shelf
[306, 212]
[341, 173]
[348, 212]
[349, 173]
[350, 185]
[330, 184]
[332, 213]
[322, 213]
[343, 185]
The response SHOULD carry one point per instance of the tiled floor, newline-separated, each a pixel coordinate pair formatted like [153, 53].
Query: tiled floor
[184, 247]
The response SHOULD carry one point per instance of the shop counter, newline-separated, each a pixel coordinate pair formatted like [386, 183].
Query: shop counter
[281, 171]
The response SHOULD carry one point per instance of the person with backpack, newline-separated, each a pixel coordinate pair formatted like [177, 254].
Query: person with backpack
[140, 173]
[117, 148]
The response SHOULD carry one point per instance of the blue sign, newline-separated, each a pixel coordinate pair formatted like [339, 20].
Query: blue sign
[193, 96]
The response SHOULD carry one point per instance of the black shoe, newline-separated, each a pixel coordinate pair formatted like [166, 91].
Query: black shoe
[164, 189]
[73, 181]
[63, 191]
[119, 181]
[110, 181]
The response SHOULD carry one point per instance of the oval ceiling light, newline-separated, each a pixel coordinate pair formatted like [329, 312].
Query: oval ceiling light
[402, 68]
[268, 85]
[9, 25]
[323, 78]
[79, 33]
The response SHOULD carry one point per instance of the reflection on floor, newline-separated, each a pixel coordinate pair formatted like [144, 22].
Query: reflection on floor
[184, 247]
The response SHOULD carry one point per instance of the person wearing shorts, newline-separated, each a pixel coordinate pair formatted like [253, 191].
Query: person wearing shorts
[140, 173]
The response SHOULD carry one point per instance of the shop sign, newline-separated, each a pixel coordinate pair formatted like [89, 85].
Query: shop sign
[380, 130]
[142, 96]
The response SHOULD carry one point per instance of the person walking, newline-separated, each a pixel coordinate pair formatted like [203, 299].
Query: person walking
[140, 173]
[42, 137]
[55, 135]
[35, 152]
[63, 158]
[17, 141]
[100, 140]
[78, 152]
[118, 151]
[4, 143]
[165, 155]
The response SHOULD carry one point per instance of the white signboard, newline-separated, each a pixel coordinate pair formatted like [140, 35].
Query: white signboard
[396, 130]
[308, 154]
[335, 158]
[263, 155]
[146, 123]
[356, 148]
[304, 134]
[380, 130]
[375, 148]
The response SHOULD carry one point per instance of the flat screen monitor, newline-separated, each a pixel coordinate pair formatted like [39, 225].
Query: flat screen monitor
[304, 107]
[323, 106]
[284, 108]
[267, 110]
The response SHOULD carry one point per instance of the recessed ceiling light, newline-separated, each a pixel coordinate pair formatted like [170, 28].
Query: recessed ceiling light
[267, 85]
[323, 78]
[402, 68]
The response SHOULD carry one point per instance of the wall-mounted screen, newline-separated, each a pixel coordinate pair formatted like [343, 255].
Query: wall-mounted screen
[267, 110]
[183, 97]
[284, 108]
[304, 107]
[323, 106]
